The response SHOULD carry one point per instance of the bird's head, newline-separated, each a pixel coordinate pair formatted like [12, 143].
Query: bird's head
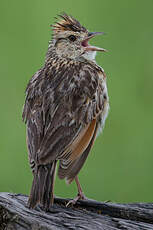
[71, 39]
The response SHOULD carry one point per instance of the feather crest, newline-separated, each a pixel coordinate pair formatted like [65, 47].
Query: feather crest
[68, 23]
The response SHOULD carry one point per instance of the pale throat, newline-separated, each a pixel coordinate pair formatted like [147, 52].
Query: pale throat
[90, 55]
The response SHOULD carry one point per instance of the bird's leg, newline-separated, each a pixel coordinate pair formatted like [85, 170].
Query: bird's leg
[80, 192]
[80, 195]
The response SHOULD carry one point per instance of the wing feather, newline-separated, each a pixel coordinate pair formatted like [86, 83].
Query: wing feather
[79, 145]
[73, 169]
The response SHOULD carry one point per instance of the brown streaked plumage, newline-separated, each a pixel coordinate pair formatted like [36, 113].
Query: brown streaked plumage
[66, 105]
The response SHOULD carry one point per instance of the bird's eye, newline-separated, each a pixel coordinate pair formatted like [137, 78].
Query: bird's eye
[72, 38]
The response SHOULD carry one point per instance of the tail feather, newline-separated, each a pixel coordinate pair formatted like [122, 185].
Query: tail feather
[43, 186]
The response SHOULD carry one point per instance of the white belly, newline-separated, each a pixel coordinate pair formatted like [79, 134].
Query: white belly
[104, 113]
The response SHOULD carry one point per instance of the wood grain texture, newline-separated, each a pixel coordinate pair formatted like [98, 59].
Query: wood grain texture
[90, 214]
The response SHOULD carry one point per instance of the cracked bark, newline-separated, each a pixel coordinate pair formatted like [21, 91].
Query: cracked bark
[90, 214]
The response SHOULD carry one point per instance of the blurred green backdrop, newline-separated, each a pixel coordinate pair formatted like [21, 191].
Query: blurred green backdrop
[120, 166]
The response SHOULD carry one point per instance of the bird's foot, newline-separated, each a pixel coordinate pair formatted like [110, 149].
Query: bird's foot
[80, 196]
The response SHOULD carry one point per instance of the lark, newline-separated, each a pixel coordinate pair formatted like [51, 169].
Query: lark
[65, 108]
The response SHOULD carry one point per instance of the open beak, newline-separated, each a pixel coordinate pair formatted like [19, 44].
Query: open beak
[88, 47]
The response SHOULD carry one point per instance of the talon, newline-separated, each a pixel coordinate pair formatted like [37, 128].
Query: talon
[71, 202]
[80, 196]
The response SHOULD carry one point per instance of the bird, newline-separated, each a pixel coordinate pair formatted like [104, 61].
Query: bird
[66, 105]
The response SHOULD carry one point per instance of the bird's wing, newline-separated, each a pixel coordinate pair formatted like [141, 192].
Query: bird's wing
[61, 115]
[74, 156]
[71, 170]
[32, 115]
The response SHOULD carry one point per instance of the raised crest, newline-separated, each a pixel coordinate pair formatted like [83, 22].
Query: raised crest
[67, 22]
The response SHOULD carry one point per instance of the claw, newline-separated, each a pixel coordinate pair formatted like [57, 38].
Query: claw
[80, 196]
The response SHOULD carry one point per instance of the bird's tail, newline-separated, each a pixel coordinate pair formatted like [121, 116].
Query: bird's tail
[42, 186]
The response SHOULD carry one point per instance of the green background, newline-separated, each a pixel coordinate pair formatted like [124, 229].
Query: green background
[120, 166]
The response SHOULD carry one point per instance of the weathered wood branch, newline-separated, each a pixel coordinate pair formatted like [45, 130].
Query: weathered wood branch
[90, 214]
